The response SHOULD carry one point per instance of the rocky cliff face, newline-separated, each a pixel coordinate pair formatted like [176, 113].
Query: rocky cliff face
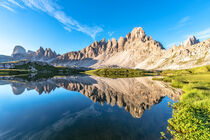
[18, 50]
[127, 51]
[111, 47]
[190, 54]
[45, 54]
[137, 50]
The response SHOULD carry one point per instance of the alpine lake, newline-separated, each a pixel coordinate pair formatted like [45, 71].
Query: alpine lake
[87, 107]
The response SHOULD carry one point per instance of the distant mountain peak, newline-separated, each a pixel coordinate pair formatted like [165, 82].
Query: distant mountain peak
[191, 41]
[18, 50]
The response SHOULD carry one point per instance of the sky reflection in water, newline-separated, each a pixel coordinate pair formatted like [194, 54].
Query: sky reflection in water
[84, 108]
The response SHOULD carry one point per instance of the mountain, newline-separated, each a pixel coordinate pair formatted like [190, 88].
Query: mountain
[191, 41]
[45, 54]
[137, 50]
[128, 51]
[20, 53]
[18, 50]
[188, 55]
[4, 58]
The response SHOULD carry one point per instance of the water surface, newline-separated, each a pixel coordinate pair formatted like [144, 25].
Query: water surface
[84, 108]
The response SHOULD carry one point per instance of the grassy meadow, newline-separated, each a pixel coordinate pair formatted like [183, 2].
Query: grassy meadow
[191, 115]
[120, 73]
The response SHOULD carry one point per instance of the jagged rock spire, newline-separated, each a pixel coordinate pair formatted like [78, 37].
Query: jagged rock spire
[191, 41]
[40, 52]
[138, 33]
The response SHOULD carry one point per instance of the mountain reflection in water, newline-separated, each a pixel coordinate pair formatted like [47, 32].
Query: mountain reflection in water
[135, 95]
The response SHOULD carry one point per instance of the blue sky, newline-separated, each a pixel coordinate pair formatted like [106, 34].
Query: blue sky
[70, 25]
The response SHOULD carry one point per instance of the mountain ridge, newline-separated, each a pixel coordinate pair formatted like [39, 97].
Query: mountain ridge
[20, 53]
[135, 50]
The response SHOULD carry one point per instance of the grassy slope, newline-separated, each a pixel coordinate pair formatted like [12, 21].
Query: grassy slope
[191, 115]
[120, 72]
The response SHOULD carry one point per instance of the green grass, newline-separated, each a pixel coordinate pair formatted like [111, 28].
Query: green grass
[157, 78]
[120, 72]
[191, 115]
[203, 69]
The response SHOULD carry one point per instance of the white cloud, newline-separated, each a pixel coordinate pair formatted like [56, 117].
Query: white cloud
[7, 6]
[15, 3]
[201, 34]
[67, 29]
[181, 23]
[204, 34]
[53, 10]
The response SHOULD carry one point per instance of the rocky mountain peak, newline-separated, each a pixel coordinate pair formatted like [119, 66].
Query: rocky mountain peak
[121, 42]
[150, 37]
[103, 40]
[41, 49]
[40, 52]
[94, 44]
[138, 33]
[114, 44]
[49, 53]
[46, 54]
[113, 47]
[191, 41]
[18, 50]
